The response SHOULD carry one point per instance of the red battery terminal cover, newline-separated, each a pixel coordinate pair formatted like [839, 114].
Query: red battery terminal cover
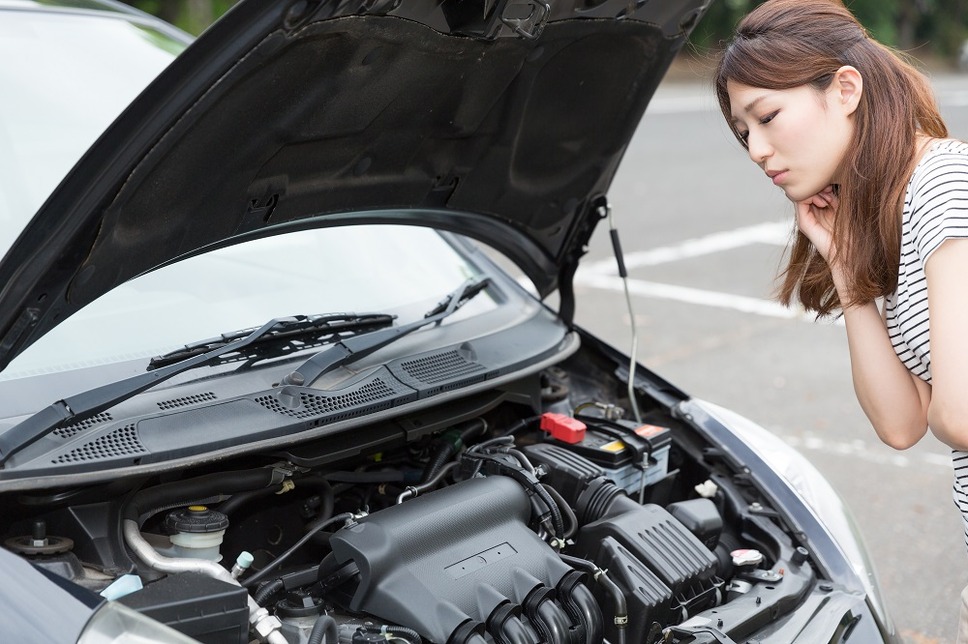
[564, 428]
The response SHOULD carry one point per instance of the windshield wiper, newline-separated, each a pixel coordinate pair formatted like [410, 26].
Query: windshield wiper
[91, 402]
[289, 334]
[88, 403]
[351, 349]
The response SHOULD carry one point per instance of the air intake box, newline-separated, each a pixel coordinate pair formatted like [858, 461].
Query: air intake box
[654, 537]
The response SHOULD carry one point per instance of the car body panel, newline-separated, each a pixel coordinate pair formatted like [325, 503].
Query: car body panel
[439, 485]
[351, 108]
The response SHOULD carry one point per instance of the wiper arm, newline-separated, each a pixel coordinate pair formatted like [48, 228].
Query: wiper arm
[96, 400]
[307, 330]
[352, 349]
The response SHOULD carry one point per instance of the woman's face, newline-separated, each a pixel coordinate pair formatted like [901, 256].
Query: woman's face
[798, 136]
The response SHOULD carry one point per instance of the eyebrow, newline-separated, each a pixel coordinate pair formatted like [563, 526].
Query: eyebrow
[749, 107]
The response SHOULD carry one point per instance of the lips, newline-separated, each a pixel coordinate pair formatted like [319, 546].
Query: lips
[776, 175]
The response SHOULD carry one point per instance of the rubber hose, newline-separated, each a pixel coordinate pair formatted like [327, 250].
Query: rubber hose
[620, 604]
[451, 443]
[324, 630]
[230, 506]
[267, 590]
[196, 488]
[565, 510]
[308, 482]
[401, 632]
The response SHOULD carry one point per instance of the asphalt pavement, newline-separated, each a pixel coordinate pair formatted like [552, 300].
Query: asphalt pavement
[703, 232]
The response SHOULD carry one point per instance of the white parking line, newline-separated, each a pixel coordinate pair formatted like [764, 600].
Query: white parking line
[777, 232]
[690, 295]
[603, 274]
[700, 98]
[861, 450]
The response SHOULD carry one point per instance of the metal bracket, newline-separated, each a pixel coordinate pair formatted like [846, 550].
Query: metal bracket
[528, 26]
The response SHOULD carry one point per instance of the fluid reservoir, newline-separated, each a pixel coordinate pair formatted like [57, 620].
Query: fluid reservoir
[196, 532]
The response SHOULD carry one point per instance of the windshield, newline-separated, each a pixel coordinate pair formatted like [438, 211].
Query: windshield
[397, 269]
[63, 83]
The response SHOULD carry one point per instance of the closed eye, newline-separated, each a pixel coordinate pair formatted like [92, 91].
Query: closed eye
[769, 117]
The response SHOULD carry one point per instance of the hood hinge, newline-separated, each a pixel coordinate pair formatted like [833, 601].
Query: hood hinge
[526, 17]
[566, 276]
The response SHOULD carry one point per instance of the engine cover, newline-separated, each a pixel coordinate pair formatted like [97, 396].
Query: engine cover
[448, 558]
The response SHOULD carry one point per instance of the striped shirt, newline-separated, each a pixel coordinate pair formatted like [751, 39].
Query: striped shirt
[935, 210]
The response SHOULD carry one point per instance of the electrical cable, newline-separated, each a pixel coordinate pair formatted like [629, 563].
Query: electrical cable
[275, 563]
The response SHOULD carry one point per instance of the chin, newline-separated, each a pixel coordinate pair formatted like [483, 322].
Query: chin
[798, 194]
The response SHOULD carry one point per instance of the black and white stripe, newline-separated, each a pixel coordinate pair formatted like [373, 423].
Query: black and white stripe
[935, 209]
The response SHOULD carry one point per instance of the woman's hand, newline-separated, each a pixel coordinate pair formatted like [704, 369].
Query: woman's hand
[815, 218]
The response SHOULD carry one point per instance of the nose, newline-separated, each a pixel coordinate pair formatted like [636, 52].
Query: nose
[758, 147]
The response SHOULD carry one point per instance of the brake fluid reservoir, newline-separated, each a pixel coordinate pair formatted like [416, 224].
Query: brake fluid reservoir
[196, 532]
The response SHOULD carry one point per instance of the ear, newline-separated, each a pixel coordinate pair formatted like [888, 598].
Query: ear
[847, 88]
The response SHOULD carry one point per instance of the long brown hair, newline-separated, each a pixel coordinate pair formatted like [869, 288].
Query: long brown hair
[790, 43]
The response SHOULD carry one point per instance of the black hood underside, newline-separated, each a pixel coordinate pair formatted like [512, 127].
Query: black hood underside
[263, 126]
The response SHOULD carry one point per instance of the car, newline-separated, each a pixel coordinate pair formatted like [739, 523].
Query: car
[288, 352]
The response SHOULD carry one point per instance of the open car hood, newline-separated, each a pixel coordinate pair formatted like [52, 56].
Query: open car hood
[503, 120]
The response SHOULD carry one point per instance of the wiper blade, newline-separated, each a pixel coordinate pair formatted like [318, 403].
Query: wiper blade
[88, 403]
[345, 350]
[349, 350]
[296, 333]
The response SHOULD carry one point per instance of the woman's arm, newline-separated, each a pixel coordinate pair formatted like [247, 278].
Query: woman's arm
[895, 401]
[946, 270]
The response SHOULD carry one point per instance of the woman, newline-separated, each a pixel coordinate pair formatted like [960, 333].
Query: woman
[851, 133]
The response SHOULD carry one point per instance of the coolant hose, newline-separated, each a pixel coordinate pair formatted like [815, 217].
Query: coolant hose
[324, 630]
[148, 500]
[414, 490]
[325, 492]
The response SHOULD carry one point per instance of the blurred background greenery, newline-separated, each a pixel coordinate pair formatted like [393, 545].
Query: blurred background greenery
[931, 30]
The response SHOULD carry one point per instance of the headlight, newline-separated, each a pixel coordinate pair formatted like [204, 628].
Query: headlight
[813, 489]
[115, 623]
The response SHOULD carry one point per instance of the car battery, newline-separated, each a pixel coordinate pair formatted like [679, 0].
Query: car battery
[633, 455]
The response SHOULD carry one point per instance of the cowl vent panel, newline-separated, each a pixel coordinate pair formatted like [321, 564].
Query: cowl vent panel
[87, 423]
[123, 441]
[373, 395]
[439, 367]
[187, 401]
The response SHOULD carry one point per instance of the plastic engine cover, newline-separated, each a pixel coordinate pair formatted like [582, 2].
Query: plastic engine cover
[454, 555]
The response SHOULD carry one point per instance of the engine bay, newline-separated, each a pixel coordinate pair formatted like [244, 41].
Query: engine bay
[542, 512]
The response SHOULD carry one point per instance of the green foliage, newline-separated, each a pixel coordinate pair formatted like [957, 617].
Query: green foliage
[933, 28]
[926, 28]
[191, 15]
